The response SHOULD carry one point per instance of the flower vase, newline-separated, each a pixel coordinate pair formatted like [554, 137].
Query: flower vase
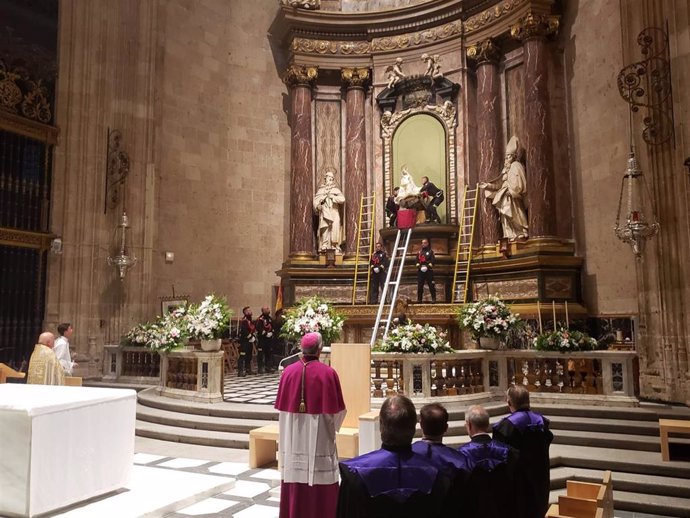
[488, 342]
[210, 345]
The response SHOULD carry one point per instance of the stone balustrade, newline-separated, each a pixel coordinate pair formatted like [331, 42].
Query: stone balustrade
[130, 364]
[594, 377]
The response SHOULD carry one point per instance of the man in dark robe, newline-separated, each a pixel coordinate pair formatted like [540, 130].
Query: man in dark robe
[312, 409]
[425, 271]
[492, 469]
[528, 432]
[432, 197]
[433, 419]
[394, 481]
[392, 207]
[379, 265]
[247, 335]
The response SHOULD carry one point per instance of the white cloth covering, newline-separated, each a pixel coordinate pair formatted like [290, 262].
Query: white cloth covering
[308, 454]
[61, 350]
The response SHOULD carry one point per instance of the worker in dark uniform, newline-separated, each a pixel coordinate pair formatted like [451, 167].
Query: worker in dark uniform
[379, 267]
[432, 197]
[247, 341]
[425, 271]
[264, 349]
[392, 207]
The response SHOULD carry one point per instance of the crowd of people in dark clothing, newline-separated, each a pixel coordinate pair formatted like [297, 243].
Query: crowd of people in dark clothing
[499, 476]
[262, 333]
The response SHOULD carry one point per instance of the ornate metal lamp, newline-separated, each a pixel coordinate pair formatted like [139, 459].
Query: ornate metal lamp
[636, 229]
[123, 262]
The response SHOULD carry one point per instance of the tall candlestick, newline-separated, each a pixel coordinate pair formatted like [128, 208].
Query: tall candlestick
[567, 320]
[553, 307]
[541, 328]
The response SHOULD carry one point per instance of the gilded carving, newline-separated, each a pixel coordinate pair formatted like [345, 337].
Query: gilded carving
[484, 52]
[25, 239]
[491, 15]
[404, 41]
[302, 4]
[309, 46]
[355, 77]
[20, 93]
[535, 26]
[300, 75]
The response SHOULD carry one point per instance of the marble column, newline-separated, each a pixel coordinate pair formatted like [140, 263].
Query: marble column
[355, 151]
[300, 79]
[486, 54]
[532, 30]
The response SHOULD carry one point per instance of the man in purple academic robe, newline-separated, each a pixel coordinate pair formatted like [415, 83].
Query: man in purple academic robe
[312, 409]
[433, 419]
[394, 481]
[528, 432]
[489, 491]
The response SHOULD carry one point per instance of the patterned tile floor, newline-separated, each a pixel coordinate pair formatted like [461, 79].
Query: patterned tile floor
[257, 389]
[252, 496]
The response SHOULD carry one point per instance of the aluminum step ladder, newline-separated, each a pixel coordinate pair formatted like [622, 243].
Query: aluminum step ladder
[397, 265]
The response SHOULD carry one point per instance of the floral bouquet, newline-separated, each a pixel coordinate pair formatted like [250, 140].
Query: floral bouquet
[565, 340]
[165, 334]
[489, 317]
[415, 338]
[140, 334]
[209, 320]
[312, 315]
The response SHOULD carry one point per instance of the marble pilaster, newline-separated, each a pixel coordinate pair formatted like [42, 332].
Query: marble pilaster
[299, 79]
[532, 30]
[355, 151]
[486, 54]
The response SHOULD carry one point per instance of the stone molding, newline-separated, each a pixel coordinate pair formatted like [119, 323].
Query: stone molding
[355, 77]
[485, 51]
[492, 15]
[323, 47]
[535, 26]
[404, 41]
[300, 75]
[312, 5]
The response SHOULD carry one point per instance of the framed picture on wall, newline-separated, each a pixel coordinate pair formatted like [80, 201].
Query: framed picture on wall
[168, 304]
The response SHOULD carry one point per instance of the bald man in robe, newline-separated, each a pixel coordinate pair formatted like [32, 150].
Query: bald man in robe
[44, 367]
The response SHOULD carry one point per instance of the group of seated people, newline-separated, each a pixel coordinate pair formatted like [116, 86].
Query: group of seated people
[503, 476]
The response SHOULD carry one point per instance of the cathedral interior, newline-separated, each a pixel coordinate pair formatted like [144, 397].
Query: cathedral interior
[155, 151]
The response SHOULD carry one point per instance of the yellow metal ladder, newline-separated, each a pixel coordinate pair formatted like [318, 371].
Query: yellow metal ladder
[463, 254]
[365, 247]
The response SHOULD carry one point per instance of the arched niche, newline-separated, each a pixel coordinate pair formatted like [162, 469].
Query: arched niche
[420, 143]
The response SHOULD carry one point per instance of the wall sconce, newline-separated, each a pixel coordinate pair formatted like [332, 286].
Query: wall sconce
[123, 262]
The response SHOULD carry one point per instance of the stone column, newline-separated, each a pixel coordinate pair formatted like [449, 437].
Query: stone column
[299, 79]
[486, 54]
[532, 30]
[355, 152]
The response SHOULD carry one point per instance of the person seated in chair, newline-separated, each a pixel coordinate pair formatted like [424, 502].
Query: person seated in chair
[491, 466]
[394, 481]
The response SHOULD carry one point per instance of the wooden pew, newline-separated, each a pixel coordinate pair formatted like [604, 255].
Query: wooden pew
[667, 426]
[585, 500]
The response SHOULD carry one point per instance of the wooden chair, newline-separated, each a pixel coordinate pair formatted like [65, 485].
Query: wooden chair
[8, 372]
[585, 500]
[671, 425]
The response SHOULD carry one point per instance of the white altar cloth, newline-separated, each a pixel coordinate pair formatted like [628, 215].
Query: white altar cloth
[62, 445]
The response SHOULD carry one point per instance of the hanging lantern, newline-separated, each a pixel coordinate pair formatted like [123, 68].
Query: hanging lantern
[636, 229]
[123, 262]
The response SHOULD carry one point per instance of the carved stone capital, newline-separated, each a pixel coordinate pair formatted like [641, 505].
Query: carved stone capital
[300, 75]
[302, 4]
[355, 77]
[535, 26]
[484, 52]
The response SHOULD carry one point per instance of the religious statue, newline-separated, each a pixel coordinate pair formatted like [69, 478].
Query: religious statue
[327, 202]
[433, 66]
[508, 192]
[408, 193]
[394, 73]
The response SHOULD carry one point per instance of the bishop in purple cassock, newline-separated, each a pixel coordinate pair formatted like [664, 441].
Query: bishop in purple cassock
[312, 409]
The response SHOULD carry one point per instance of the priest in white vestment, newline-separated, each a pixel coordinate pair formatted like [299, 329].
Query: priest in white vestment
[312, 409]
[44, 367]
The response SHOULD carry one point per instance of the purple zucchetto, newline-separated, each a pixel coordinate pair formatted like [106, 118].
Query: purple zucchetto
[311, 342]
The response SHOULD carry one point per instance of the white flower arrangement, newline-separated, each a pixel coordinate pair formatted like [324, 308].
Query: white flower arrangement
[489, 317]
[415, 338]
[208, 320]
[313, 315]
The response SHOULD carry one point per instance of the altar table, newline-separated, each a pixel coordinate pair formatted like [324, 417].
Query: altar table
[62, 445]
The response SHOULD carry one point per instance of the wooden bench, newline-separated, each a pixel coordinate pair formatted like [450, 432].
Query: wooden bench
[8, 372]
[263, 444]
[667, 426]
[585, 500]
[73, 381]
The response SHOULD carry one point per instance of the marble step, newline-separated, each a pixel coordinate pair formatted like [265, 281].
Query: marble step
[200, 422]
[645, 412]
[166, 432]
